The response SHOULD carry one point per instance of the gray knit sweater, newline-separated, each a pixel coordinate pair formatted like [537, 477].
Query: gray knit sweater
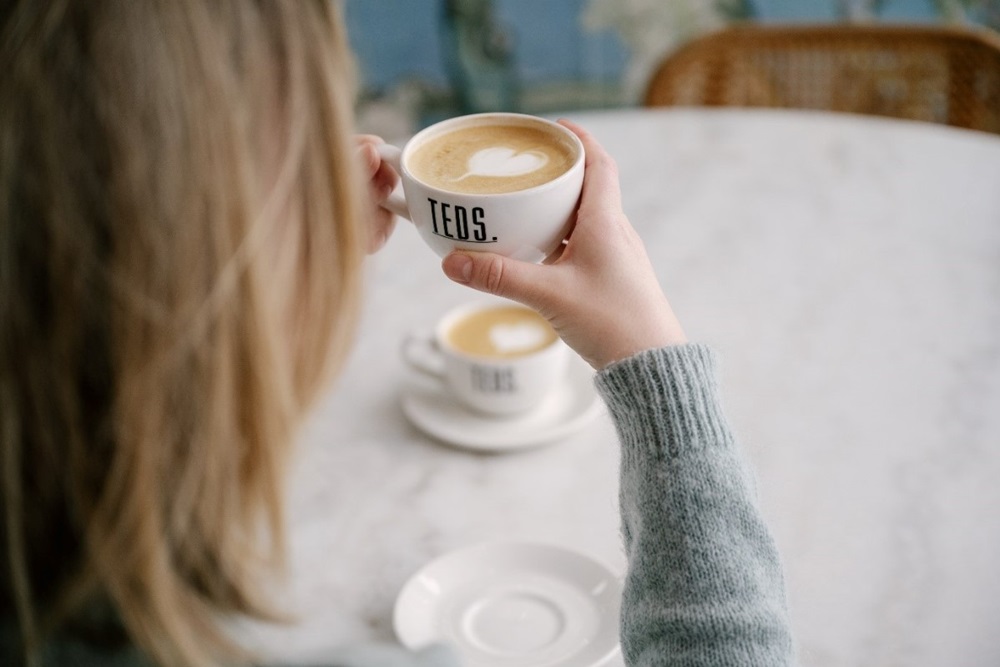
[704, 584]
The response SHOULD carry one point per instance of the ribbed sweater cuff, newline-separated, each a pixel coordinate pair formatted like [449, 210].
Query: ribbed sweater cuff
[670, 398]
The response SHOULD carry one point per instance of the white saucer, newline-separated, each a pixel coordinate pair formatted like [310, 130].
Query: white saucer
[568, 409]
[514, 605]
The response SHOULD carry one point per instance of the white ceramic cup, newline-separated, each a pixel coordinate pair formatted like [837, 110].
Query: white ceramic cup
[491, 385]
[524, 224]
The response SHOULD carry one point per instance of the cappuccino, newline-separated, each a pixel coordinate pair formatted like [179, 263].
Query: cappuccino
[492, 158]
[505, 183]
[501, 332]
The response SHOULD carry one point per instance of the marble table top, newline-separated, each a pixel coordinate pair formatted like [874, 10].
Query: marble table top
[848, 271]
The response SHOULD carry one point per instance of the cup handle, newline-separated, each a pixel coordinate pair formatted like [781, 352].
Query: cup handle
[395, 202]
[421, 352]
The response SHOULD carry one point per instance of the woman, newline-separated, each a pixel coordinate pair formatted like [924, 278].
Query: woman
[183, 219]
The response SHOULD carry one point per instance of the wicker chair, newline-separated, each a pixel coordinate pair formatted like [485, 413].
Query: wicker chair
[944, 75]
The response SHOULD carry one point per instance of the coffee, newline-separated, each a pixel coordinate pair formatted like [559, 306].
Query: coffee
[492, 158]
[501, 182]
[497, 358]
[502, 332]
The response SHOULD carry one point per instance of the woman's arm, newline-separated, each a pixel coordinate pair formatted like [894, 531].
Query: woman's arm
[704, 584]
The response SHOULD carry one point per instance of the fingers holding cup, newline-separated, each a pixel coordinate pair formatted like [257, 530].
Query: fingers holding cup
[381, 179]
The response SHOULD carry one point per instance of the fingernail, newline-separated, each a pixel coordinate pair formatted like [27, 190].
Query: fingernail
[458, 267]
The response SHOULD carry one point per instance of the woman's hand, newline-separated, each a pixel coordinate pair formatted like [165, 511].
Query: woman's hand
[599, 291]
[381, 179]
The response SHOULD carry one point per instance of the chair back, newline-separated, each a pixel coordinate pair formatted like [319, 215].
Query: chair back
[938, 74]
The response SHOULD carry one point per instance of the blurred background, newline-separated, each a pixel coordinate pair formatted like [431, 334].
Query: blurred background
[423, 60]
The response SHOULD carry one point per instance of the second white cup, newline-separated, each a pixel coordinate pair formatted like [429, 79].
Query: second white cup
[496, 358]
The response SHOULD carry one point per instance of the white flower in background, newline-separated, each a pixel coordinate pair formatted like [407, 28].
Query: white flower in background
[950, 10]
[955, 10]
[860, 10]
[651, 29]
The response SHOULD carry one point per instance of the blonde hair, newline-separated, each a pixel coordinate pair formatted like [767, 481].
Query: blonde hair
[157, 160]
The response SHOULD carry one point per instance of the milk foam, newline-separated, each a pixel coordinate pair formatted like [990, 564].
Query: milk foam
[502, 161]
[491, 159]
[509, 338]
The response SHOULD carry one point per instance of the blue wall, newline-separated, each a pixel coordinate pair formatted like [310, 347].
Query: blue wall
[400, 39]
[813, 10]
[395, 39]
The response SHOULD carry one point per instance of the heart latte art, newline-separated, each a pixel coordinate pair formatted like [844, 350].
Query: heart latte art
[491, 159]
[503, 162]
[519, 338]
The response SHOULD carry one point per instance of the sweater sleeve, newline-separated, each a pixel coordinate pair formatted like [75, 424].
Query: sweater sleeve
[704, 583]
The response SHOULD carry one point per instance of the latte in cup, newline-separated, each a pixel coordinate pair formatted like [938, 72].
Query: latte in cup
[492, 158]
[504, 183]
[502, 332]
[498, 358]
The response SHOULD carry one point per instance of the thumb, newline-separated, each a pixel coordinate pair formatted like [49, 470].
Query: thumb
[495, 274]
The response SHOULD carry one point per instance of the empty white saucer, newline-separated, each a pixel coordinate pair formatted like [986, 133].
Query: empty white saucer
[566, 410]
[514, 604]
